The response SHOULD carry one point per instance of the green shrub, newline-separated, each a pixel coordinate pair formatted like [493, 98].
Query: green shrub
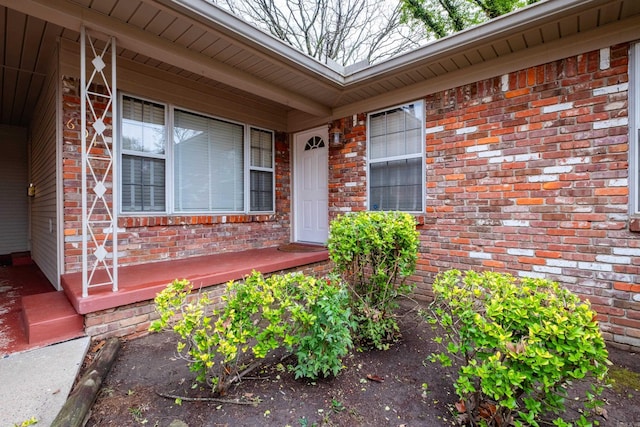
[518, 346]
[300, 314]
[375, 252]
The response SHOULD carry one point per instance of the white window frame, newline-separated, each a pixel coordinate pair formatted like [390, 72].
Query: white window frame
[272, 169]
[634, 129]
[169, 166]
[419, 104]
[164, 156]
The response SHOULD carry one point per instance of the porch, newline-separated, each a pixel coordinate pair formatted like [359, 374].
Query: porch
[142, 282]
[40, 316]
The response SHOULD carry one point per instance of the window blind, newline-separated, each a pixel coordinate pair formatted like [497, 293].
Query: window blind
[208, 163]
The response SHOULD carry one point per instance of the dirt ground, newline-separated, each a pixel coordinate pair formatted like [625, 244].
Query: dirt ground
[413, 392]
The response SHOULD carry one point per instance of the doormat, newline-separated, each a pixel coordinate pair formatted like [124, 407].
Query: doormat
[301, 247]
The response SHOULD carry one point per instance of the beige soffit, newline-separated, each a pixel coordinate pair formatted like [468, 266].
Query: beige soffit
[227, 23]
[72, 15]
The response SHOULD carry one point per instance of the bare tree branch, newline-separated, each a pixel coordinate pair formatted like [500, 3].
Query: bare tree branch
[344, 31]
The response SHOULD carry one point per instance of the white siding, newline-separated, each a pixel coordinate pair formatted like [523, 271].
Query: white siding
[14, 203]
[44, 159]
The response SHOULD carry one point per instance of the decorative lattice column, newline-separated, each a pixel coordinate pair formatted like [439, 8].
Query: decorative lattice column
[98, 100]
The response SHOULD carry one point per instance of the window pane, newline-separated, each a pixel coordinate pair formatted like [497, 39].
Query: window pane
[143, 188]
[395, 121]
[377, 147]
[413, 117]
[261, 148]
[396, 185]
[396, 132]
[208, 164]
[261, 191]
[395, 144]
[395, 159]
[143, 126]
[377, 124]
[413, 141]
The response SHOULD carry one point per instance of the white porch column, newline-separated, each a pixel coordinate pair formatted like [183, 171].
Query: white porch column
[98, 100]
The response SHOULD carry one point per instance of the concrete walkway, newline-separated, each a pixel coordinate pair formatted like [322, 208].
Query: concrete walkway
[36, 383]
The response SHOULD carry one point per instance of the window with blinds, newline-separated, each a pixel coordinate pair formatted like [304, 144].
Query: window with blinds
[212, 162]
[143, 148]
[396, 159]
[261, 170]
[208, 164]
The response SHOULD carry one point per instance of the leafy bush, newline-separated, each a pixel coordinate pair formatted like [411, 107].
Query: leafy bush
[375, 252]
[519, 346]
[300, 314]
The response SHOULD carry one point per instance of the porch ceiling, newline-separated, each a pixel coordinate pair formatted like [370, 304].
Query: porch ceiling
[196, 40]
[26, 52]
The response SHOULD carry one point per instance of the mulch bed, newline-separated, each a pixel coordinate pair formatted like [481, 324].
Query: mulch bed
[377, 388]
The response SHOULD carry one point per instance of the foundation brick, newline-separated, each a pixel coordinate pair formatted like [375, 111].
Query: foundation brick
[133, 320]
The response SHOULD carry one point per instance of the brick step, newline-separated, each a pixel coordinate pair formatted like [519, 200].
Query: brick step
[50, 318]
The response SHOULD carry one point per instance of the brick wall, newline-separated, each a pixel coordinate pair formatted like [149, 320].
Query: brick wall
[527, 173]
[133, 320]
[347, 168]
[162, 237]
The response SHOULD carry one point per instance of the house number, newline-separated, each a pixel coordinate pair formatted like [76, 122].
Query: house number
[71, 126]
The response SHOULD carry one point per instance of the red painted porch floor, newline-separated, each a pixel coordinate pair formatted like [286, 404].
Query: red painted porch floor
[142, 282]
[17, 281]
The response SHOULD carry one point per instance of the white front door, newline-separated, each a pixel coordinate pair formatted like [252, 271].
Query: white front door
[311, 190]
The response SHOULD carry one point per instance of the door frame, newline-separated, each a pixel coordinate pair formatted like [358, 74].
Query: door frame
[323, 131]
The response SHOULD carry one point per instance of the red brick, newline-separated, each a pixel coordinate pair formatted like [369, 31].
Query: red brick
[516, 93]
[548, 254]
[612, 191]
[530, 201]
[455, 177]
[635, 324]
[628, 287]
[493, 264]
[535, 261]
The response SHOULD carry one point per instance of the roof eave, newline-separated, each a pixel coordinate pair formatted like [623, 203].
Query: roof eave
[499, 28]
[255, 38]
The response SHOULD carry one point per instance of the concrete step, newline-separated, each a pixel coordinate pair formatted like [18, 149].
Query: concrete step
[50, 318]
